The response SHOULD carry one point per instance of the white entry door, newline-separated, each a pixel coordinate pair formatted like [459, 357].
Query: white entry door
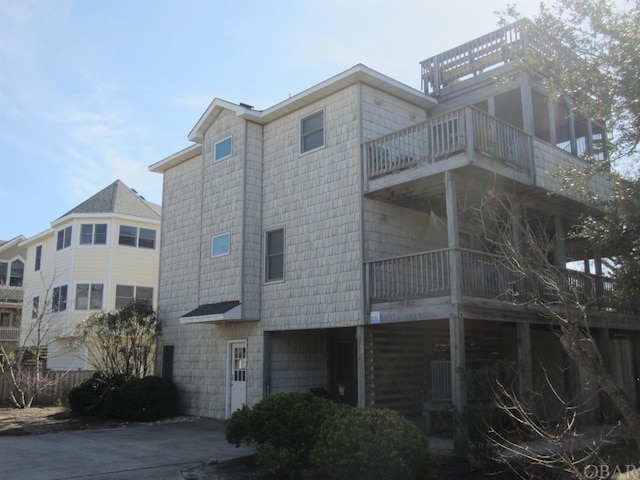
[237, 353]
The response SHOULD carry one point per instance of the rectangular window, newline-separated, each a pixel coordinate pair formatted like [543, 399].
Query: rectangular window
[312, 132]
[147, 238]
[17, 272]
[59, 303]
[128, 235]
[64, 238]
[134, 237]
[89, 296]
[220, 245]
[274, 255]
[222, 149]
[38, 257]
[35, 311]
[91, 234]
[4, 270]
[125, 294]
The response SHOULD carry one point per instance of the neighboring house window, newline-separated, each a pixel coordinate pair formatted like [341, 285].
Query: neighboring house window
[93, 234]
[89, 296]
[64, 238]
[3, 272]
[59, 303]
[223, 149]
[35, 311]
[274, 255]
[17, 272]
[137, 237]
[125, 294]
[220, 245]
[312, 132]
[38, 257]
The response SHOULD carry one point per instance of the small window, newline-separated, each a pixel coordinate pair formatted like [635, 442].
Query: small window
[59, 303]
[223, 149]
[89, 296]
[91, 234]
[38, 257]
[128, 235]
[220, 245]
[144, 294]
[35, 311]
[64, 238]
[274, 255]
[17, 272]
[4, 269]
[312, 132]
[147, 238]
[167, 362]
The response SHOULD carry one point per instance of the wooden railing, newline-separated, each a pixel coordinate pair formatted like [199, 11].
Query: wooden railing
[464, 129]
[426, 274]
[9, 334]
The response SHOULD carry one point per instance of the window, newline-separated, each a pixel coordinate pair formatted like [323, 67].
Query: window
[126, 294]
[3, 272]
[220, 245]
[59, 303]
[89, 296]
[222, 149]
[17, 272]
[35, 311]
[64, 238]
[134, 237]
[274, 256]
[38, 257]
[91, 234]
[312, 132]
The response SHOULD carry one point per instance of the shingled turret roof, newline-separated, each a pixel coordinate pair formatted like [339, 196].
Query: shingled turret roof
[119, 199]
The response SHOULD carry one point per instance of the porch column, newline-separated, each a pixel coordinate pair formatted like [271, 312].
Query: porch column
[552, 122]
[456, 320]
[561, 252]
[527, 104]
[525, 377]
[597, 260]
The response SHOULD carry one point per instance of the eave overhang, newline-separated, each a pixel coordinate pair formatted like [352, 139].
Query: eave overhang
[223, 312]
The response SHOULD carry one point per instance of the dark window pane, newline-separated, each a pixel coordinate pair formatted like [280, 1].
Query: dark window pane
[128, 235]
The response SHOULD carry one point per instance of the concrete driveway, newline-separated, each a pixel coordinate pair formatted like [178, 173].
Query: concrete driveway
[154, 452]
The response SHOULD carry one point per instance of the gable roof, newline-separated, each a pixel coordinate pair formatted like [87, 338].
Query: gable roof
[119, 199]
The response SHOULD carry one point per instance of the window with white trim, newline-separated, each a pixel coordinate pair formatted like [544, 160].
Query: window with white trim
[312, 132]
[38, 262]
[64, 238]
[274, 255]
[126, 294]
[89, 296]
[35, 311]
[223, 149]
[93, 234]
[137, 237]
[220, 245]
[59, 301]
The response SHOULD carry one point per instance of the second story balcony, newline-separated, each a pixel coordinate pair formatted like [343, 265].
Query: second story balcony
[428, 275]
[468, 137]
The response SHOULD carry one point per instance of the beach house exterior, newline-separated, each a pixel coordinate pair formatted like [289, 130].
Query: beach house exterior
[327, 242]
[101, 255]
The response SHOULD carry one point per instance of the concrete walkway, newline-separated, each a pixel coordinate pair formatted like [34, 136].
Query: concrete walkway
[154, 452]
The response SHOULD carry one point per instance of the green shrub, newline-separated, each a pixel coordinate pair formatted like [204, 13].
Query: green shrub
[117, 397]
[285, 427]
[371, 444]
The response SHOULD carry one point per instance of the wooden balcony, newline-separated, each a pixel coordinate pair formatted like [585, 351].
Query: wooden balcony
[427, 275]
[9, 334]
[408, 162]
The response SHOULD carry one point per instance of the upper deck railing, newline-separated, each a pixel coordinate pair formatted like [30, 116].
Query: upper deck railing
[472, 58]
[465, 129]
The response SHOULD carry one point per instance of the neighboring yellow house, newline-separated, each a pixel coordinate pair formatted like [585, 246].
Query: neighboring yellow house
[12, 260]
[101, 255]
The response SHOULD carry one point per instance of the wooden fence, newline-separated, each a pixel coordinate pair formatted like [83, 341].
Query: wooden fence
[55, 393]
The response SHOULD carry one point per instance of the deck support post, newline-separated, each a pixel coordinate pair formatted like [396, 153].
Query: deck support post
[456, 319]
[360, 365]
[525, 377]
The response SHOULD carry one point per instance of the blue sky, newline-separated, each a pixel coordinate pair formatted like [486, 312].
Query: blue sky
[94, 91]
